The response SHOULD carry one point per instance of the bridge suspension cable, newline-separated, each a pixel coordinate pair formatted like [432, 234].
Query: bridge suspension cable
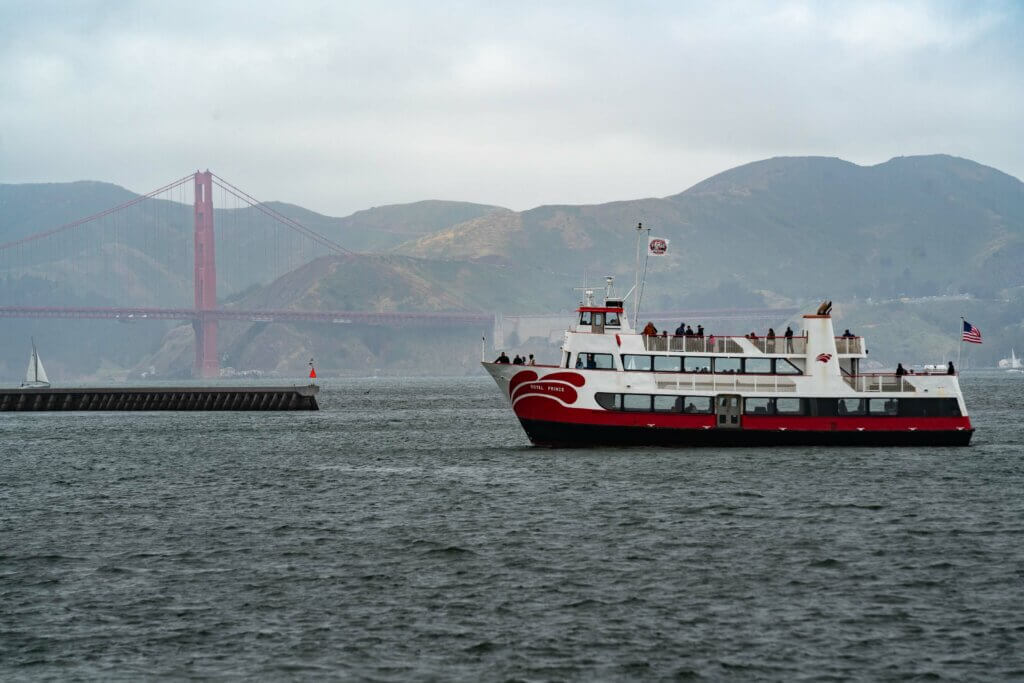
[278, 216]
[97, 216]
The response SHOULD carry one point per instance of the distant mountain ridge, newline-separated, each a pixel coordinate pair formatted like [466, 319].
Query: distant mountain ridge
[789, 230]
[792, 226]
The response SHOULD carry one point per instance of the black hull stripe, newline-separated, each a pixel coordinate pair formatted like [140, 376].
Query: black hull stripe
[565, 435]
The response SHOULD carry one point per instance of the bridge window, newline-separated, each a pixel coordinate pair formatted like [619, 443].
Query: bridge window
[612, 319]
[595, 361]
[631, 362]
[668, 404]
[637, 402]
[668, 363]
[696, 364]
[728, 365]
[758, 366]
[586, 318]
[883, 406]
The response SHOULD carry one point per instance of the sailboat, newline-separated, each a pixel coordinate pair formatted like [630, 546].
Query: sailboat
[1012, 364]
[35, 376]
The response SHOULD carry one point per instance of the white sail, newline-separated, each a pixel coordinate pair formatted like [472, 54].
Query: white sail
[36, 373]
[1014, 361]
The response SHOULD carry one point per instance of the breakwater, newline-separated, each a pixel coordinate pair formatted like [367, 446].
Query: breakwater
[160, 398]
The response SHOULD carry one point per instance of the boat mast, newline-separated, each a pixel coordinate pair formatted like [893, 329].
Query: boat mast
[636, 273]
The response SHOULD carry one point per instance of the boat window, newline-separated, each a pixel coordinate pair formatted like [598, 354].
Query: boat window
[757, 406]
[728, 365]
[696, 364]
[668, 363]
[850, 406]
[883, 406]
[784, 367]
[586, 318]
[641, 402]
[929, 407]
[668, 404]
[595, 361]
[758, 366]
[612, 319]
[822, 407]
[631, 362]
[789, 406]
[609, 401]
[697, 404]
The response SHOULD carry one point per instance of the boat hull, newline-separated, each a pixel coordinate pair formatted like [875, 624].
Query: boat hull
[576, 435]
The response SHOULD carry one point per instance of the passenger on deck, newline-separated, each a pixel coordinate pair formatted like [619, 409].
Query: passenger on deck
[770, 348]
[848, 335]
[689, 331]
[752, 336]
[681, 330]
[900, 370]
[531, 361]
[950, 370]
[517, 360]
[789, 339]
[502, 358]
[650, 330]
[700, 330]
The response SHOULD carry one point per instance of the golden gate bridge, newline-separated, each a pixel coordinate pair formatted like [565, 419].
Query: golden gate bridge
[147, 232]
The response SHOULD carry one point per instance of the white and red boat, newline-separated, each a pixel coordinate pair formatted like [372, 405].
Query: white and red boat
[616, 387]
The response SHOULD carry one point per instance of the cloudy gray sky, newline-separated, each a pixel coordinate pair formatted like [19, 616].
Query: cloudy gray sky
[339, 106]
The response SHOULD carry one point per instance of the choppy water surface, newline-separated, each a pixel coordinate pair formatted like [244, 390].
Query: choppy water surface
[408, 531]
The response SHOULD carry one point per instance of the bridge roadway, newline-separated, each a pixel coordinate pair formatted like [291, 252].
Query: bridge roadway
[363, 317]
[503, 328]
[256, 316]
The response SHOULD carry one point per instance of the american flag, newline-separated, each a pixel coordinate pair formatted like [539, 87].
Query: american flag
[971, 333]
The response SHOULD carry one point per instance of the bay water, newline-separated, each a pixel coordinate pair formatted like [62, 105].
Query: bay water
[408, 531]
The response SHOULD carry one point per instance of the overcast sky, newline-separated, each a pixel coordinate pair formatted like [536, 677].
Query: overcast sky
[339, 106]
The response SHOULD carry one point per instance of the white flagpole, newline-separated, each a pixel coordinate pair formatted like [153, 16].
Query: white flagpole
[960, 345]
[636, 276]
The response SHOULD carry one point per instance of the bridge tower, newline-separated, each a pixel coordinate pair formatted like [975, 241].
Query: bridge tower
[207, 362]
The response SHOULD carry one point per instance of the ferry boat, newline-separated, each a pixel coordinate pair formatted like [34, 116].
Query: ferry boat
[617, 387]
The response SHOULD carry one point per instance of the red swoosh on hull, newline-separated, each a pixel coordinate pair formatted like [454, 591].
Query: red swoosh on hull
[558, 390]
[573, 378]
[519, 378]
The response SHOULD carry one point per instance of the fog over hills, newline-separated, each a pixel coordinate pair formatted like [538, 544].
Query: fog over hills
[882, 241]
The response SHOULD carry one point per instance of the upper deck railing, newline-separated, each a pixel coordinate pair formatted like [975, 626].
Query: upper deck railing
[716, 344]
[850, 345]
[884, 382]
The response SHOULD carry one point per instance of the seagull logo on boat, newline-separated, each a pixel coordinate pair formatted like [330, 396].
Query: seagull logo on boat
[824, 357]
